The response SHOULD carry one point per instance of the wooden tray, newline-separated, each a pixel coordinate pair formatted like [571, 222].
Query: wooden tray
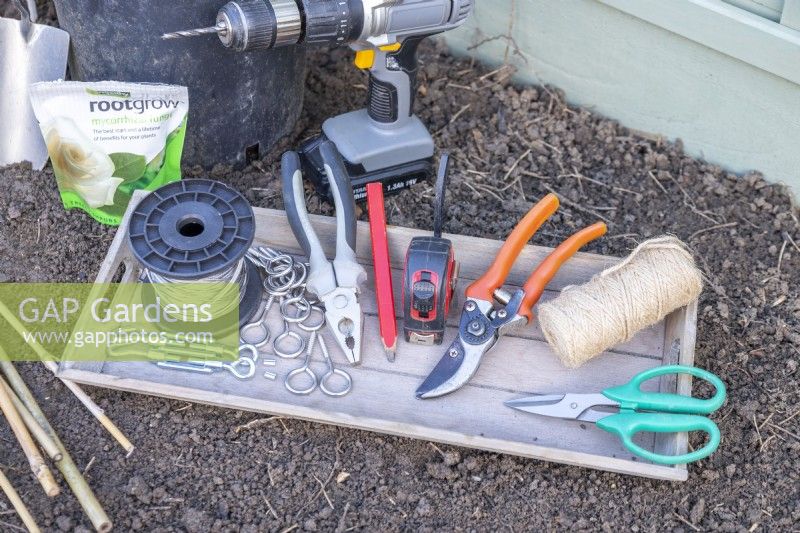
[383, 399]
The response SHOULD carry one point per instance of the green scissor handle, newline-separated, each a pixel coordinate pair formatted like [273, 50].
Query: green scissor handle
[630, 395]
[626, 425]
[674, 413]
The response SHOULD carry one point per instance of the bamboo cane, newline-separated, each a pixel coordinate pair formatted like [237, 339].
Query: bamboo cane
[47, 360]
[33, 426]
[19, 505]
[35, 459]
[66, 465]
[95, 409]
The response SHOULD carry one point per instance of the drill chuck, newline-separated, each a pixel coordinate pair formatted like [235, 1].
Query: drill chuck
[259, 24]
[248, 24]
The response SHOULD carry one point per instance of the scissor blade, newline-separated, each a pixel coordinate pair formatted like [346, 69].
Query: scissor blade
[534, 401]
[456, 367]
[569, 406]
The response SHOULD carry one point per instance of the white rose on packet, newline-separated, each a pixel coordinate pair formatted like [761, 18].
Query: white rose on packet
[80, 164]
[109, 139]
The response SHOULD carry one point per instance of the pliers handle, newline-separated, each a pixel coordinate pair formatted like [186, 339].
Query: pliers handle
[345, 270]
[484, 287]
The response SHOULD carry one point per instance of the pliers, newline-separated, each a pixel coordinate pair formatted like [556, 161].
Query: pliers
[336, 283]
[481, 324]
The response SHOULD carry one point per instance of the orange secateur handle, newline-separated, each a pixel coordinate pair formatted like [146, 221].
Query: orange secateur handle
[535, 285]
[483, 288]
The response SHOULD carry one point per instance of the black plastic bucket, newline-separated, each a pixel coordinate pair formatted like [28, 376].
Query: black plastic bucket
[240, 103]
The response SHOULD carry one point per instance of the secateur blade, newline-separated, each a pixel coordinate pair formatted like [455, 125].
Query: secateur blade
[452, 371]
[462, 358]
[31, 53]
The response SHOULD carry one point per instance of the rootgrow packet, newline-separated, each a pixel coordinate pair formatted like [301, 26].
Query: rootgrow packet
[107, 139]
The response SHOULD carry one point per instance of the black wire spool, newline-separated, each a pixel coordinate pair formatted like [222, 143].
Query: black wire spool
[197, 230]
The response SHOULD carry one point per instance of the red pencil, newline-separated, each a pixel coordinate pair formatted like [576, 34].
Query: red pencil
[383, 269]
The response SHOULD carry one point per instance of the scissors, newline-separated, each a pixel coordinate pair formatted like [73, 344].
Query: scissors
[337, 283]
[639, 411]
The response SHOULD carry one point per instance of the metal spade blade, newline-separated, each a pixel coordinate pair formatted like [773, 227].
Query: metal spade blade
[31, 53]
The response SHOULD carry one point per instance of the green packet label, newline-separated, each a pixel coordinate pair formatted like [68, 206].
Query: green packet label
[119, 321]
[108, 139]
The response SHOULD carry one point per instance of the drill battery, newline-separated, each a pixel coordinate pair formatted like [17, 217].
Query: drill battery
[394, 179]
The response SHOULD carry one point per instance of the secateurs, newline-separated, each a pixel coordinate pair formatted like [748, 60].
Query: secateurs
[336, 283]
[481, 323]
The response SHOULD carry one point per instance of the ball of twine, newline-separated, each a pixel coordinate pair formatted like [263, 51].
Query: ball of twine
[658, 277]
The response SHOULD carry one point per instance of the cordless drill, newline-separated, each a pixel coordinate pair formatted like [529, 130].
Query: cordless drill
[385, 142]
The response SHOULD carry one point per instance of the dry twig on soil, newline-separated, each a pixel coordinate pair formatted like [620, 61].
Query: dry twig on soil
[791, 240]
[784, 430]
[340, 526]
[324, 492]
[453, 119]
[325, 483]
[712, 228]
[271, 509]
[780, 257]
[512, 168]
[577, 175]
[789, 417]
[660, 185]
[682, 519]
[577, 206]
[258, 422]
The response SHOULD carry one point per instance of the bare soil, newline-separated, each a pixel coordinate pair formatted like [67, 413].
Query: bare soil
[192, 471]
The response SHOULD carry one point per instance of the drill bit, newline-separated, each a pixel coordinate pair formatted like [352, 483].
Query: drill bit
[219, 29]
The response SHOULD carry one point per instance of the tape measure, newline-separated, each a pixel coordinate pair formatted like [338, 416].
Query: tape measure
[430, 275]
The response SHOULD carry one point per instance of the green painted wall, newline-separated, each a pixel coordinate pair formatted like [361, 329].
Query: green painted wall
[725, 109]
